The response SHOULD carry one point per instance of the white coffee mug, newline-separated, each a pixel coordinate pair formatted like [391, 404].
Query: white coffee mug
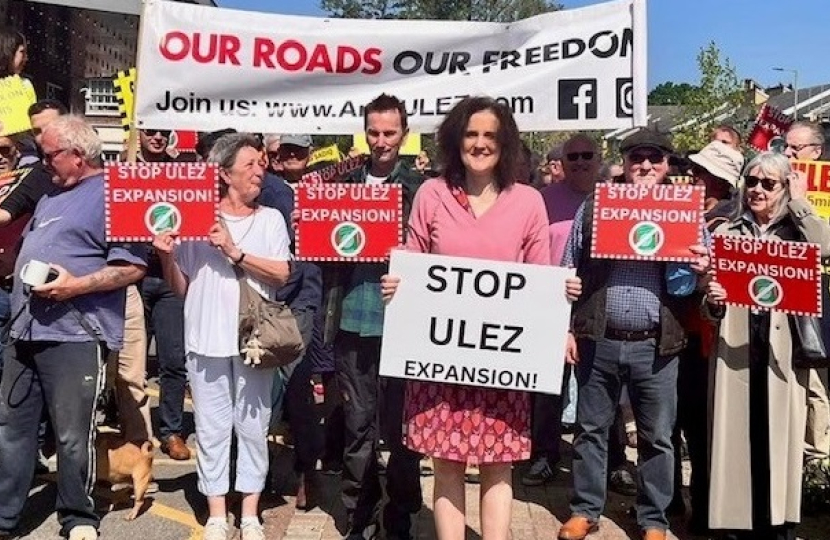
[35, 273]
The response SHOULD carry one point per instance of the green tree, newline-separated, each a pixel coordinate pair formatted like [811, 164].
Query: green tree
[472, 10]
[718, 98]
[362, 9]
[668, 93]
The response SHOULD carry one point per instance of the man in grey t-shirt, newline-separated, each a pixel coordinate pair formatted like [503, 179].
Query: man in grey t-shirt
[62, 329]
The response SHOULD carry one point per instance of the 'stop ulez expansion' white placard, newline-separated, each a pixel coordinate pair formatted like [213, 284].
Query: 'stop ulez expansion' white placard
[481, 323]
[204, 68]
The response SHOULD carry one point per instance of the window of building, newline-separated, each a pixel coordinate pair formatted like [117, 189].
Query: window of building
[100, 98]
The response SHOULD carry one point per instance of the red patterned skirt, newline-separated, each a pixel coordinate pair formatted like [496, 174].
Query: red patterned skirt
[467, 424]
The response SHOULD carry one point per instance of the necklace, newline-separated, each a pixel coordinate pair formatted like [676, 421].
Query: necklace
[248, 230]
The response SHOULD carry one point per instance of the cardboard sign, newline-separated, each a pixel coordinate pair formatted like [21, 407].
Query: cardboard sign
[769, 274]
[348, 222]
[144, 199]
[818, 177]
[206, 68]
[656, 223]
[771, 124]
[334, 172]
[474, 322]
[16, 95]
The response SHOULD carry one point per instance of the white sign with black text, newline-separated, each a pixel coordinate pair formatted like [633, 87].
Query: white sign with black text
[475, 322]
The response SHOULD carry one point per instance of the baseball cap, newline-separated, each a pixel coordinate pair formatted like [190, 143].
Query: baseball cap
[646, 137]
[303, 141]
[721, 160]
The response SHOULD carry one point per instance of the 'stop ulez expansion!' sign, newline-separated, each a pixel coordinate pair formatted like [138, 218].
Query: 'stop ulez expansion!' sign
[657, 223]
[570, 70]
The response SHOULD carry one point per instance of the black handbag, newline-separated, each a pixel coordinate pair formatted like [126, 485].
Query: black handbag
[809, 351]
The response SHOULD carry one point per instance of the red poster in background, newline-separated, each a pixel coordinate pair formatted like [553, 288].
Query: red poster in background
[769, 274]
[183, 141]
[143, 199]
[769, 124]
[348, 222]
[656, 223]
[334, 172]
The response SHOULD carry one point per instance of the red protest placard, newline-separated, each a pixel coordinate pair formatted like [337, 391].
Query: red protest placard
[143, 199]
[655, 223]
[818, 178]
[769, 124]
[334, 172]
[348, 222]
[769, 274]
[183, 141]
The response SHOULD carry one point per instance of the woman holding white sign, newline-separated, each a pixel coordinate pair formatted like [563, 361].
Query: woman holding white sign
[760, 404]
[476, 209]
[229, 397]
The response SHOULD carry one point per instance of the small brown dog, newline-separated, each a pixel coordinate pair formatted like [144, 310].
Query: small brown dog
[120, 461]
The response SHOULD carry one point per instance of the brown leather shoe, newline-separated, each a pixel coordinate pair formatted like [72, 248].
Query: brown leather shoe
[577, 528]
[175, 447]
[654, 534]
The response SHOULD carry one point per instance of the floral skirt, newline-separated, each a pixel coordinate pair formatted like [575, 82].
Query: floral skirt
[467, 424]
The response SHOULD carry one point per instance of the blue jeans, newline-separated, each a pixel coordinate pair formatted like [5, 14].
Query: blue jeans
[164, 314]
[652, 384]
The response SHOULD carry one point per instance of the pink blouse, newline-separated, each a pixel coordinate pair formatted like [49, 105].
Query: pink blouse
[514, 228]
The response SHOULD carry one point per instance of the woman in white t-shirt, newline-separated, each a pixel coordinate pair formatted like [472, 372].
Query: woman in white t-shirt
[228, 396]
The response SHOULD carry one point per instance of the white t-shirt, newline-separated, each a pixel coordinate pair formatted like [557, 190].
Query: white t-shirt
[375, 180]
[211, 306]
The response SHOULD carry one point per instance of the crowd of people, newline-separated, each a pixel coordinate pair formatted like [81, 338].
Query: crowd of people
[657, 357]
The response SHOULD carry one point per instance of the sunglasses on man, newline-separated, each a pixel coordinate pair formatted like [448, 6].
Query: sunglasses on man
[6, 151]
[153, 132]
[653, 156]
[574, 156]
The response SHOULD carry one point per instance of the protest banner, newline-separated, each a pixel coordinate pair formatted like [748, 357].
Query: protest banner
[411, 146]
[348, 222]
[334, 172]
[769, 274]
[327, 153]
[574, 69]
[475, 322]
[818, 178]
[657, 223]
[16, 94]
[144, 199]
[770, 126]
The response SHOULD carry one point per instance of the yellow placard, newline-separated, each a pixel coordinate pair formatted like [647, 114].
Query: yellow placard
[16, 95]
[412, 146]
[327, 153]
[124, 83]
[818, 182]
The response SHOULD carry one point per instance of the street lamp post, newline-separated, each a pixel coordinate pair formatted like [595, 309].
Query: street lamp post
[795, 89]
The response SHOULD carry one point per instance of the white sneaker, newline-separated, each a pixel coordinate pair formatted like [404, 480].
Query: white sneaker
[83, 532]
[215, 530]
[251, 531]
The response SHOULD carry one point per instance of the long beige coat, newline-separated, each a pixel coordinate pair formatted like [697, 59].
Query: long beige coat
[730, 496]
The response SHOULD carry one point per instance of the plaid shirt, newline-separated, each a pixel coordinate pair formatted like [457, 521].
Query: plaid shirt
[363, 304]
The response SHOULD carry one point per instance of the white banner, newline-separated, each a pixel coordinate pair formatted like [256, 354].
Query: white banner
[206, 69]
[480, 323]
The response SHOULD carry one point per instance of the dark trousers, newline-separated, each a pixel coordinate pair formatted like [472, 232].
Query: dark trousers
[357, 360]
[164, 315]
[652, 385]
[67, 378]
[546, 427]
[693, 422]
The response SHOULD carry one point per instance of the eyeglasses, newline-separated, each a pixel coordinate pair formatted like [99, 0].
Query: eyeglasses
[767, 184]
[797, 147]
[153, 132]
[6, 151]
[49, 156]
[653, 156]
[573, 156]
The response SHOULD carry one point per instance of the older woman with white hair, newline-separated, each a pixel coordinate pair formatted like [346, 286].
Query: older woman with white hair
[760, 407]
[229, 396]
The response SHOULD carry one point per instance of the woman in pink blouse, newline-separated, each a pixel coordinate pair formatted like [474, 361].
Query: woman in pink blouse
[476, 209]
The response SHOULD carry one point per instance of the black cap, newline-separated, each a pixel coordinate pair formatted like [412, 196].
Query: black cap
[207, 140]
[646, 137]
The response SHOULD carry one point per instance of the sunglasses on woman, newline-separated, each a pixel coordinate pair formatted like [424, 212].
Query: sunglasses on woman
[767, 184]
[6, 151]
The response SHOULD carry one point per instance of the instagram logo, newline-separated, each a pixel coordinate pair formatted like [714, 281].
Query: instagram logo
[625, 98]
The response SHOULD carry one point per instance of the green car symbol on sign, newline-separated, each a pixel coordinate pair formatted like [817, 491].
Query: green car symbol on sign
[646, 238]
[766, 291]
[348, 239]
[162, 217]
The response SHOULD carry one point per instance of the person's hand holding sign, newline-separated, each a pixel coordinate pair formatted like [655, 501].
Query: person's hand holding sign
[220, 237]
[799, 184]
[388, 287]
[703, 264]
[164, 243]
[573, 288]
[715, 293]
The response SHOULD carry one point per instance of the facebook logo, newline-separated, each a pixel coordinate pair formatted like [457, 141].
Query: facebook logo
[577, 99]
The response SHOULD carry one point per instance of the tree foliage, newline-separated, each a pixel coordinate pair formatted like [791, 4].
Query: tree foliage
[471, 10]
[668, 93]
[716, 98]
